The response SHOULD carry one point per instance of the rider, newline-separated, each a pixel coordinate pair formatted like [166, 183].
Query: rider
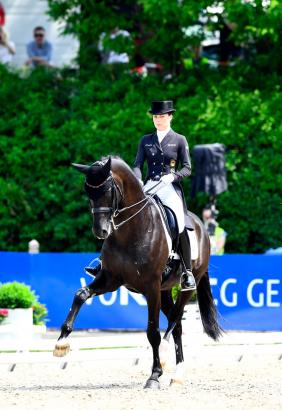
[164, 150]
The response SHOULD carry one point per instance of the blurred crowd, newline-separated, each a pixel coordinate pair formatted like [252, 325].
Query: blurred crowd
[215, 47]
[39, 50]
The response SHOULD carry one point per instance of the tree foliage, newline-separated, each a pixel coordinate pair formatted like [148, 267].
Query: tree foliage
[52, 118]
[44, 129]
[161, 26]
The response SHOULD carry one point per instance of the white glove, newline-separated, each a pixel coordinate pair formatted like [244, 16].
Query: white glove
[167, 179]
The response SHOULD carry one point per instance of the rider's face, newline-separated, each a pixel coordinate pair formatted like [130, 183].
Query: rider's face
[162, 121]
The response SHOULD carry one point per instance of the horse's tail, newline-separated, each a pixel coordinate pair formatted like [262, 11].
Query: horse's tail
[207, 308]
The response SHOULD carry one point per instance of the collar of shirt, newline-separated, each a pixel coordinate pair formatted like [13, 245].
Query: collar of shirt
[162, 134]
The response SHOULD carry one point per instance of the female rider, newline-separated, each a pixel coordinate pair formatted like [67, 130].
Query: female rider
[165, 152]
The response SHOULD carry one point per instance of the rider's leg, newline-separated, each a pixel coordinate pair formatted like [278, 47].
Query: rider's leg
[169, 197]
[187, 279]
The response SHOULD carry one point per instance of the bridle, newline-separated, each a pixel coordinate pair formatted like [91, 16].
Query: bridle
[102, 188]
[111, 184]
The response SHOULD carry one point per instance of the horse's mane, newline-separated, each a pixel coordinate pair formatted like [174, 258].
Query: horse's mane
[119, 163]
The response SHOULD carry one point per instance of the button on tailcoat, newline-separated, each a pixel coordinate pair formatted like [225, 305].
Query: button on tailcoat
[169, 156]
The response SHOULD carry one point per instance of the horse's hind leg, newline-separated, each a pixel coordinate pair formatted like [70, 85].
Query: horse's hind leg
[174, 313]
[100, 285]
[177, 337]
[181, 301]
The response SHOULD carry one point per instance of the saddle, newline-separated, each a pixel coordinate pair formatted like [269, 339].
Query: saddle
[171, 221]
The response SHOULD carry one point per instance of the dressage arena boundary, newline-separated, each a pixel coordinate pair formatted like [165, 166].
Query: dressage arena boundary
[134, 348]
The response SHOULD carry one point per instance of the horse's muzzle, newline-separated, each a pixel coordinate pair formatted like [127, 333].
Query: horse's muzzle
[101, 233]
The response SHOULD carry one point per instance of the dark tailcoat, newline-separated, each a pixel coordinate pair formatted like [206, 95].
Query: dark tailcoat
[171, 156]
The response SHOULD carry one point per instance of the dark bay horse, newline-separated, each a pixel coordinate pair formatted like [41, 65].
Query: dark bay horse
[134, 254]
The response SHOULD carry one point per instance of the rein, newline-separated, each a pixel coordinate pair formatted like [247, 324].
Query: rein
[114, 211]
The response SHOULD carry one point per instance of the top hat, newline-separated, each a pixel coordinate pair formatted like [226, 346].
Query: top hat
[161, 107]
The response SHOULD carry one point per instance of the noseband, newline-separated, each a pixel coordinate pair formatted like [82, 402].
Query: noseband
[101, 189]
[105, 186]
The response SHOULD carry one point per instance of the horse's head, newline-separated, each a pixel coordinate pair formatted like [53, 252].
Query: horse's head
[101, 191]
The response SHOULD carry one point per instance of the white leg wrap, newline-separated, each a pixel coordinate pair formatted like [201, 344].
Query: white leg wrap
[62, 342]
[179, 373]
[163, 351]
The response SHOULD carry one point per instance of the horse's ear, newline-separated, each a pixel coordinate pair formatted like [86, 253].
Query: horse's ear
[81, 168]
[107, 167]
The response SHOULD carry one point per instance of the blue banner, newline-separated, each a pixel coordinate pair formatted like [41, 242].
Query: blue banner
[247, 290]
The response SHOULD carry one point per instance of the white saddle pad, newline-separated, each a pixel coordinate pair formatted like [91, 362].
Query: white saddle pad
[168, 238]
[194, 245]
[192, 238]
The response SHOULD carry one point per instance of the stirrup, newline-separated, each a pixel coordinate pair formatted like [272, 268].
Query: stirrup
[93, 268]
[188, 281]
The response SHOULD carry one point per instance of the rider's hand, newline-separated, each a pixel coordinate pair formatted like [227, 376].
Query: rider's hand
[167, 179]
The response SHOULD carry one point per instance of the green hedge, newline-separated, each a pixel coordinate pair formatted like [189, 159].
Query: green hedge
[50, 119]
[15, 295]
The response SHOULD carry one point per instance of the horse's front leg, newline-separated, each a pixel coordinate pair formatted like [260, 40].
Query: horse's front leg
[102, 284]
[153, 334]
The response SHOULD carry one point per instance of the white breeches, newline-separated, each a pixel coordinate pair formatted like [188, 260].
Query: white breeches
[170, 198]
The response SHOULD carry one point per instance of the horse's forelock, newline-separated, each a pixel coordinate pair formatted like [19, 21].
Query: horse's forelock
[118, 166]
[96, 173]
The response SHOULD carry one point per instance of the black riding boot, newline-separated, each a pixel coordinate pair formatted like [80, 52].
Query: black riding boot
[93, 270]
[187, 279]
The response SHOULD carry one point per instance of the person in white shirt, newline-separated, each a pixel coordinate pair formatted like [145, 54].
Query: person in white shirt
[110, 56]
[7, 48]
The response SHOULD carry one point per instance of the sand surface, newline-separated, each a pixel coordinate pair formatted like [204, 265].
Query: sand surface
[216, 378]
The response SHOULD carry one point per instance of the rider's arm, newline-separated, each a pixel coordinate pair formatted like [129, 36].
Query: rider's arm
[184, 159]
[139, 160]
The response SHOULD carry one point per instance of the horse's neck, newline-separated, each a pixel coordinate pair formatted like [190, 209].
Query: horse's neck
[133, 192]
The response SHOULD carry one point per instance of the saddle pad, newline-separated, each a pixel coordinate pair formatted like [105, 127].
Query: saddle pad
[194, 245]
[168, 238]
[192, 236]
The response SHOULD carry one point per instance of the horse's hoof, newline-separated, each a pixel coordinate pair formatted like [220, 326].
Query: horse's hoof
[61, 350]
[152, 384]
[176, 383]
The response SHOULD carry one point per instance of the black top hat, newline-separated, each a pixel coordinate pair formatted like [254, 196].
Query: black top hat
[161, 107]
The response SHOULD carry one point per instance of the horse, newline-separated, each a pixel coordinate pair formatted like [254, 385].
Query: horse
[134, 254]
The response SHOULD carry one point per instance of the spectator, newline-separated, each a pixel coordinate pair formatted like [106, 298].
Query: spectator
[7, 48]
[216, 233]
[111, 56]
[40, 50]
